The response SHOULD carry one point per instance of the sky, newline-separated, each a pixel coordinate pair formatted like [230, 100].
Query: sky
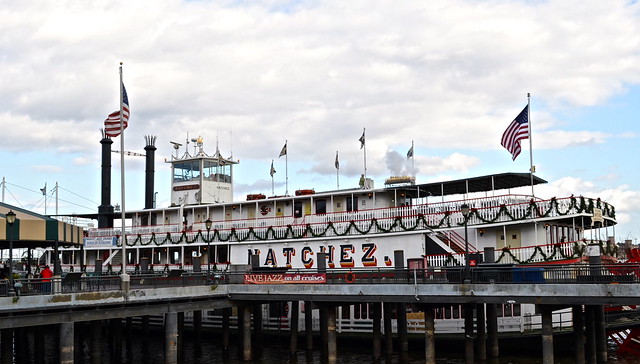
[446, 75]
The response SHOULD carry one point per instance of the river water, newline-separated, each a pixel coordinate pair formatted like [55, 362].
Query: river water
[137, 347]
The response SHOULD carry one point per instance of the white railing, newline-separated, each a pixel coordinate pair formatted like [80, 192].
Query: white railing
[485, 210]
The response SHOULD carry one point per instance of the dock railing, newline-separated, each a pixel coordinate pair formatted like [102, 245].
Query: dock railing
[496, 273]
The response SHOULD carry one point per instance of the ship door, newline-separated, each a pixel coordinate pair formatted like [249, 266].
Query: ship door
[512, 240]
[297, 209]
[352, 203]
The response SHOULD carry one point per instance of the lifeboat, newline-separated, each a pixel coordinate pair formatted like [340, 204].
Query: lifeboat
[255, 196]
[305, 192]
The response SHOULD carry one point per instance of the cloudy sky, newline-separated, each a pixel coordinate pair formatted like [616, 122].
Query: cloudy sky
[448, 75]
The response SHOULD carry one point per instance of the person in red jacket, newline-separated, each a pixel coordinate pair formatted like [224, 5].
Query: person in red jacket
[46, 275]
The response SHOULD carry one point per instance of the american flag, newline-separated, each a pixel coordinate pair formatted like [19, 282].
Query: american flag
[517, 130]
[112, 123]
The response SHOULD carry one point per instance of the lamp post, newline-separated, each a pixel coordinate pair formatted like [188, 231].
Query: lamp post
[465, 212]
[11, 219]
[208, 224]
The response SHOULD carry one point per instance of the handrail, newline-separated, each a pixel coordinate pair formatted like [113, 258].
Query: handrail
[505, 274]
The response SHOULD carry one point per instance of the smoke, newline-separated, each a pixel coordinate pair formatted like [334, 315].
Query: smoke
[398, 164]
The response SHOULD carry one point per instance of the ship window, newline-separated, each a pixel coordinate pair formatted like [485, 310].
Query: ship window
[186, 171]
[223, 253]
[214, 172]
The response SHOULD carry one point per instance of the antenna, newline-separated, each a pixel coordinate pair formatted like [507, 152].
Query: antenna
[195, 146]
[176, 146]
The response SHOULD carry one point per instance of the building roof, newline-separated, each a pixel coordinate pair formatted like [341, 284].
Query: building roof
[487, 183]
[32, 230]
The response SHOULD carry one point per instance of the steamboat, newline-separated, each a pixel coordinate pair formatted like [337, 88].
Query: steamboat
[495, 218]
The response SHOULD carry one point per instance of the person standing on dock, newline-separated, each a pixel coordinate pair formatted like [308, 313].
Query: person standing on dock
[46, 275]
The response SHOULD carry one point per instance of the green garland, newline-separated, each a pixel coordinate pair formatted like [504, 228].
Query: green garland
[532, 210]
[577, 252]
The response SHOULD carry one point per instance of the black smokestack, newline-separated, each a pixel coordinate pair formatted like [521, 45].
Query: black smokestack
[105, 210]
[150, 150]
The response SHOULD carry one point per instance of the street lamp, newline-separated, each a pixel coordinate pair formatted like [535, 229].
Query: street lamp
[208, 224]
[11, 219]
[465, 212]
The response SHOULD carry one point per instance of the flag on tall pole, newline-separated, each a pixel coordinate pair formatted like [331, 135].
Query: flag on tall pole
[118, 120]
[337, 164]
[413, 160]
[364, 145]
[520, 128]
[283, 152]
[516, 131]
[272, 171]
[124, 117]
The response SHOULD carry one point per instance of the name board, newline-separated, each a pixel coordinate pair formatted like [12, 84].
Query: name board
[597, 216]
[286, 278]
[101, 242]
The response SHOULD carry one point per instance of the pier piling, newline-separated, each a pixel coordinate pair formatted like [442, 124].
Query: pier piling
[171, 338]
[547, 334]
[66, 343]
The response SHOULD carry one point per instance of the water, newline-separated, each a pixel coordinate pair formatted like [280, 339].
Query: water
[138, 347]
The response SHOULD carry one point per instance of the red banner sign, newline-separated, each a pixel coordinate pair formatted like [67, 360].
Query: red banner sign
[286, 278]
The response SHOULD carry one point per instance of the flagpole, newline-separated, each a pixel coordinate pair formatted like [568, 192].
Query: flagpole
[286, 169]
[365, 154]
[413, 160]
[337, 164]
[532, 168]
[122, 197]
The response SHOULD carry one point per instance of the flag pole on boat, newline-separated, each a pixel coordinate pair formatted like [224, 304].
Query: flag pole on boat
[284, 153]
[122, 184]
[532, 168]
[272, 171]
[363, 145]
[337, 164]
[413, 162]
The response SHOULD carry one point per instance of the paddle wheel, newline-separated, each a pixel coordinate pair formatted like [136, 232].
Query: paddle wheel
[627, 340]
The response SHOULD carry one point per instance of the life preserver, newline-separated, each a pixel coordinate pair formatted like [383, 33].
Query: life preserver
[350, 277]
[264, 210]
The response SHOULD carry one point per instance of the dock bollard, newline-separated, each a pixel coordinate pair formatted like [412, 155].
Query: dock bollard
[125, 281]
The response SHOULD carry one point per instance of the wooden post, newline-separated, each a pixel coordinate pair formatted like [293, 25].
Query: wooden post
[332, 350]
[429, 336]
[294, 313]
[547, 334]
[468, 333]
[246, 332]
[377, 318]
[493, 348]
[66, 343]
[481, 338]
[578, 333]
[388, 332]
[308, 325]
[171, 338]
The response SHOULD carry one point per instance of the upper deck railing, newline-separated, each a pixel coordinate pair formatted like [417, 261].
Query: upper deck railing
[442, 215]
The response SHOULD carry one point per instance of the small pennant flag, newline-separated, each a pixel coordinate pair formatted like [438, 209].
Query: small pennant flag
[284, 150]
[337, 164]
[410, 153]
[44, 190]
[273, 170]
[362, 140]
